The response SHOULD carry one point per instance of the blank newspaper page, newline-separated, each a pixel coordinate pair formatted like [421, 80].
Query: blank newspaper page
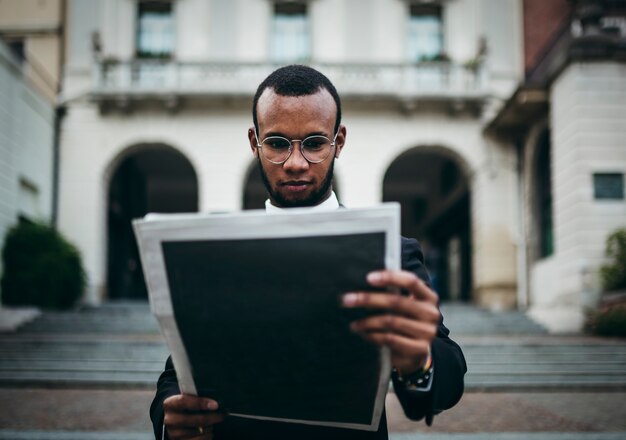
[250, 307]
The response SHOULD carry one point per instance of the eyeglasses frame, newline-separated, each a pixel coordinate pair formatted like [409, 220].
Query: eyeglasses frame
[291, 148]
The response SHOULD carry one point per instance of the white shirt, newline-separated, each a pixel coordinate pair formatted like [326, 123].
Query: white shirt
[330, 204]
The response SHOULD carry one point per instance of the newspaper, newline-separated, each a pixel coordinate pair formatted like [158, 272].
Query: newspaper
[249, 305]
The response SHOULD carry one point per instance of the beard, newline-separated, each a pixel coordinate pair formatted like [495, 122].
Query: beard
[315, 198]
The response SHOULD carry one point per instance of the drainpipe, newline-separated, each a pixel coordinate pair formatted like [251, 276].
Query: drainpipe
[59, 113]
[522, 266]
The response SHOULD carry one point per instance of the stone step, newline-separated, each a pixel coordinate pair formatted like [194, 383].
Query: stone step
[465, 319]
[116, 346]
[82, 365]
[79, 379]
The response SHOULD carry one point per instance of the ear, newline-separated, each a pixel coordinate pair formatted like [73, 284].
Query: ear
[253, 142]
[340, 141]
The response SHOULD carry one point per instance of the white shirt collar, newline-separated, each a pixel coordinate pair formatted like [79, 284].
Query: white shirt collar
[331, 203]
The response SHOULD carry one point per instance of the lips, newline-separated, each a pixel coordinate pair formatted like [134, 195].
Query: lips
[296, 185]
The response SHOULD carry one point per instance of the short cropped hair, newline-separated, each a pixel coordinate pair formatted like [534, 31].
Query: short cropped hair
[296, 80]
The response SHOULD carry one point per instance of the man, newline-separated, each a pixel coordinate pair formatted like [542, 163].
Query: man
[296, 137]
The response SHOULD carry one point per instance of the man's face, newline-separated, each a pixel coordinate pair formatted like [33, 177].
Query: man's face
[297, 182]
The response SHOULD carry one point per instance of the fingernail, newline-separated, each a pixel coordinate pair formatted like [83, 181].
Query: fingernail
[212, 405]
[349, 299]
[374, 277]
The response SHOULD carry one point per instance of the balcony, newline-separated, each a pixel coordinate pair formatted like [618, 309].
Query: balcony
[404, 83]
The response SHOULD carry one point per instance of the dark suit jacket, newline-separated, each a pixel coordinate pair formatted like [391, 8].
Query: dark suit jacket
[445, 392]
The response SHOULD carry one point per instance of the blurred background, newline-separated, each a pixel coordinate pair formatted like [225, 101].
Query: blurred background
[499, 125]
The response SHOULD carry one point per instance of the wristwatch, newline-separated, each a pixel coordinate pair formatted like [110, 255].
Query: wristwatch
[421, 381]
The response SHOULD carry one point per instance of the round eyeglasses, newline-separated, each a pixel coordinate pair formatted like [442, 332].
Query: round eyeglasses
[314, 149]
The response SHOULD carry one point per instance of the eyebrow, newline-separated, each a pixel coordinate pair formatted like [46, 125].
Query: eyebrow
[278, 133]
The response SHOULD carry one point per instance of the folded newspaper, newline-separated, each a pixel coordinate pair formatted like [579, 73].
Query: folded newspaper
[249, 305]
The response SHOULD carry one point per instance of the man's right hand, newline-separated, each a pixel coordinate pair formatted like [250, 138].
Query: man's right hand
[190, 417]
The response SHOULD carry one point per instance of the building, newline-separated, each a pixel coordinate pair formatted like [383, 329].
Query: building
[30, 66]
[158, 97]
[566, 123]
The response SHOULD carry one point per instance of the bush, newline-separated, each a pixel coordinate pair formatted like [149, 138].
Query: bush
[610, 321]
[40, 268]
[613, 275]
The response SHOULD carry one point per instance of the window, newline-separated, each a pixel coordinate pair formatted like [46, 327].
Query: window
[608, 186]
[425, 37]
[544, 196]
[291, 40]
[155, 29]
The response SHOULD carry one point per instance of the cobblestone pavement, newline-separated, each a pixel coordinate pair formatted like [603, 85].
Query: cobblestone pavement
[126, 411]
[57, 381]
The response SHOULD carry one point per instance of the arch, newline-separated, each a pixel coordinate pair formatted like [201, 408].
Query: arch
[432, 185]
[142, 178]
[254, 193]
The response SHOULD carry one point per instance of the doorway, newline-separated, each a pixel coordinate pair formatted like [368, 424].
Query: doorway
[153, 178]
[432, 187]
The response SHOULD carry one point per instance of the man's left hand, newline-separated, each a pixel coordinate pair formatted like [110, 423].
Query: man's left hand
[407, 324]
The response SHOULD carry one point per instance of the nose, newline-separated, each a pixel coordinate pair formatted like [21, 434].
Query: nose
[296, 161]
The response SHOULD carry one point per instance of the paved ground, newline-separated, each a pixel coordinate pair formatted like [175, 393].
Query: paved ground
[60, 378]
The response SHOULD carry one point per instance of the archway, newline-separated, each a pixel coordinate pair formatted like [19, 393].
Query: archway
[254, 194]
[150, 178]
[432, 187]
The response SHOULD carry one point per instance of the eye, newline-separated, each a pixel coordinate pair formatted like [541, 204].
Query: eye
[315, 142]
[277, 143]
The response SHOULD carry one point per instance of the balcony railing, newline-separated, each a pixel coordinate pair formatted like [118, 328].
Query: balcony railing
[143, 78]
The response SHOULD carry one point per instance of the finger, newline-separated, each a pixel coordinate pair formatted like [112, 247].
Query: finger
[399, 345]
[190, 434]
[393, 302]
[187, 402]
[396, 324]
[192, 421]
[403, 279]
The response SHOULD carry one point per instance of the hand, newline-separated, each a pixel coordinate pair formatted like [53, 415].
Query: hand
[190, 417]
[407, 324]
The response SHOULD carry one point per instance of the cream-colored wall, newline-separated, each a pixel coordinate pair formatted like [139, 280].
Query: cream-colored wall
[369, 31]
[117, 28]
[215, 142]
[26, 125]
[341, 30]
[38, 24]
[44, 58]
[495, 227]
[30, 14]
[588, 103]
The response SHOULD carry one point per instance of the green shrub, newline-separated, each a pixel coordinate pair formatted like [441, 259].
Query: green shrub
[610, 321]
[613, 275]
[40, 268]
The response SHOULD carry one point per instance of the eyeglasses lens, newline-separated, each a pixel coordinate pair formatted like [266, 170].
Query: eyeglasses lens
[314, 148]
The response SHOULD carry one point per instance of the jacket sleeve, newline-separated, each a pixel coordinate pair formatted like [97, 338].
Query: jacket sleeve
[166, 386]
[448, 360]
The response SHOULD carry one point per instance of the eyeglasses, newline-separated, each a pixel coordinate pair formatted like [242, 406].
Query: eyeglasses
[314, 149]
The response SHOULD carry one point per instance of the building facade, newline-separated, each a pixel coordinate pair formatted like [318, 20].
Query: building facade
[566, 121]
[158, 96]
[30, 58]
